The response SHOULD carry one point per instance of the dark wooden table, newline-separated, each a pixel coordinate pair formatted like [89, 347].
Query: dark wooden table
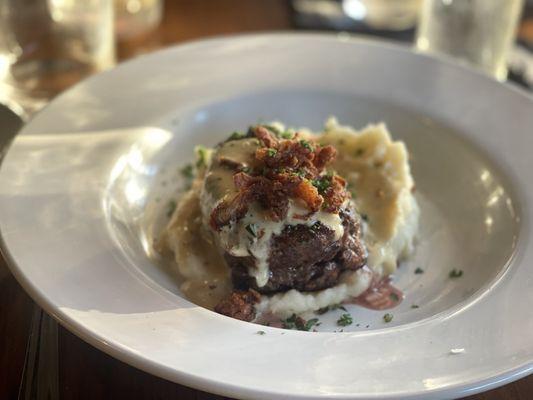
[87, 373]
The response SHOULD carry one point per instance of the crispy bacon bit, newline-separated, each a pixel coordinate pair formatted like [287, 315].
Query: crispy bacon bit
[265, 136]
[324, 156]
[230, 210]
[239, 305]
[286, 169]
[335, 194]
[309, 194]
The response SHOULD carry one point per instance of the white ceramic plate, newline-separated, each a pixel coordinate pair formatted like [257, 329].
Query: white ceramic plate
[81, 186]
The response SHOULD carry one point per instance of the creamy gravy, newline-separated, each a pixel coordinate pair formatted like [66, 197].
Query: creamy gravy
[198, 259]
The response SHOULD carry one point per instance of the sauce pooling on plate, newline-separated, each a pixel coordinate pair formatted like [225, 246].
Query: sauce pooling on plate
[381, 295]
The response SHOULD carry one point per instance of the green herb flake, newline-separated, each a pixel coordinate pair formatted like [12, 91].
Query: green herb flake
[201, 157]
[187, 171]
[310, 323]
[272, 128]
[300, 173]
[237, 135]
[345, 320]
[394, 297]
[261, 333]
[364, 217]
[296, 322]
[171, 206]
[271, 152]
[290, 323]
[286, 135]
[415, 306]
[387, 318]
[456, 273]
[321, 184]
[306, 144]
[359, 152]
[419, 270]
[251, 229]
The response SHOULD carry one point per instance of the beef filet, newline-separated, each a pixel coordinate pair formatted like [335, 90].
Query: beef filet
[305, 258]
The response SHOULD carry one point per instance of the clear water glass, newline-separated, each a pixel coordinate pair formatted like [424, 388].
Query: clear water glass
[48, 45]
[136, 17]
[479, 32]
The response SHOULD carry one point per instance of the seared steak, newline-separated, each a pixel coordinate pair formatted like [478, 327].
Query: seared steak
[302, 258]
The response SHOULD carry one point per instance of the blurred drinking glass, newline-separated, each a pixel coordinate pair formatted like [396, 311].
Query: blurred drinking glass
[136, 17]
[480, 32]
[48, 45]
[393, 15]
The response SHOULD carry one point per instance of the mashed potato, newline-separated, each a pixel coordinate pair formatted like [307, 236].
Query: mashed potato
[378, 174]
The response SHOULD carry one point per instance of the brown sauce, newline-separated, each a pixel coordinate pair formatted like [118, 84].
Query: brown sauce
[381, 295]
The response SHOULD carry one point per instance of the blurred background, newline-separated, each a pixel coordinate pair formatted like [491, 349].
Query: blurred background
[48, 45]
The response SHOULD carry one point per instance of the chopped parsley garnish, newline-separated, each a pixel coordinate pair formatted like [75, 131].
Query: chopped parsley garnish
[415, 306]
[321, 184]
[273, 129]
[296, 322]
[394, 297]
[290, 323]
[237, 135]
[201, 157]
[359, 152]
[364, 217]
[271, 152]
[187, 171]
[387, 318]
[171, 207]
[345, 320]
[261, 332]
[419, 270]
[310, 323]
[251, 229]
[286, 135]
[456, 273]
[306, 144]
